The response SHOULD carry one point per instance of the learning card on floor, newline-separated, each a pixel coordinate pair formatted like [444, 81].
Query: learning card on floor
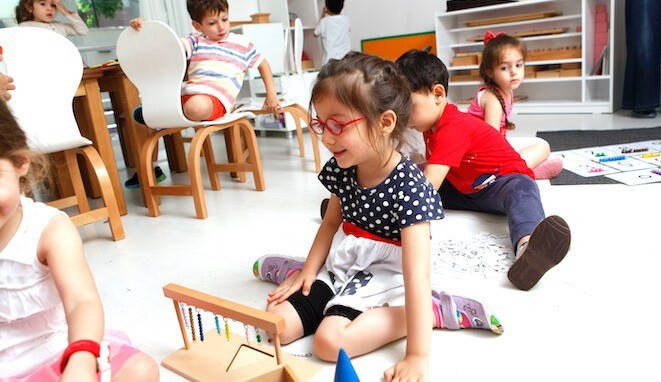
[629, 163]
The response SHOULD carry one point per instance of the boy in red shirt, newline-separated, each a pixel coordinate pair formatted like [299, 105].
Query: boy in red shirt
[484, 173]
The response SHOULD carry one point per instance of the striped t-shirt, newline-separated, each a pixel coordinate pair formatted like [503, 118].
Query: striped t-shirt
[217, 67]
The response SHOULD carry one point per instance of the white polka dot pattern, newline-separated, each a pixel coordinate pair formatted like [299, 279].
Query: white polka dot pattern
[387, 207]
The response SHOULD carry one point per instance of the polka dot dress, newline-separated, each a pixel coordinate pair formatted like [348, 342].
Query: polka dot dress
[403, 199]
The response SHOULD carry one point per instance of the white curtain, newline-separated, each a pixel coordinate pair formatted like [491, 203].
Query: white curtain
[171, 12]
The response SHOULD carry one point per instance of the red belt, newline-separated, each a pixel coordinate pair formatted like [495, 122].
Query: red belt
[354, 230]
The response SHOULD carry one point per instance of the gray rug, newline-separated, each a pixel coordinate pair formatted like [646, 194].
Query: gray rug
[576, 139]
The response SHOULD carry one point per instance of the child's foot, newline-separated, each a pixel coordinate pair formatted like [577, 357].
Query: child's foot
[456, 312]
[276, 268]
[137, 115]
[133, 182]
[547, 246]
[548, 169]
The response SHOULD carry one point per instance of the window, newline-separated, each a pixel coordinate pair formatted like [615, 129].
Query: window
[107, 13]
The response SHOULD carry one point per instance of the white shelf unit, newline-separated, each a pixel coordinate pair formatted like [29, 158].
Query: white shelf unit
[308, 11]
[585, 94]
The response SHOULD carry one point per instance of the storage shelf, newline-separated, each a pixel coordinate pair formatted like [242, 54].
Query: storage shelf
[492, 8]
[533, 38]
[597, 78]
[525, 81]
[525, 22]
[528, 63]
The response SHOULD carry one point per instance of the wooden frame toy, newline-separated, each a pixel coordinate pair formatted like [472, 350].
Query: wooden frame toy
[220, 355]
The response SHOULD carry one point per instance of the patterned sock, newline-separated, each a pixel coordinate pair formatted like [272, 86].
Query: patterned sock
[548, 169]
[276, 268]
[456, 312]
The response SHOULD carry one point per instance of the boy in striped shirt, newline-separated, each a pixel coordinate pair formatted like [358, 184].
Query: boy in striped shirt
[218, 61]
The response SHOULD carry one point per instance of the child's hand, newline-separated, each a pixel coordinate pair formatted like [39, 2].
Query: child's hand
[62, 8]
[6, 84]
[136, 23]
[297, 281]
[271, 103]
[411, 368]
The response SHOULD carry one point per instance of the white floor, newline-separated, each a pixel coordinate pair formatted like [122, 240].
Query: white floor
[593, 317]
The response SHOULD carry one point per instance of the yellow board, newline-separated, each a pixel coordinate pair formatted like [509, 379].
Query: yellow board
[391, 47]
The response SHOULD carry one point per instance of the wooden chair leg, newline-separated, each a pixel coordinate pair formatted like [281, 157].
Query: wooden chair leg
[76, 180]
[305, 116]
[194, 174]
[210, 159]
[299, 132]
[254, 157]
[107, 192]
[146, 173]
[237, 149]
[230, 152]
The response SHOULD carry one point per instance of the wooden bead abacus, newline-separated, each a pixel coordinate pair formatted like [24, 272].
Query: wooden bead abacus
[220, 355]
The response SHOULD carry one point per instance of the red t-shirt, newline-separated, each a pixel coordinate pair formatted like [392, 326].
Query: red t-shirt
[472, 148]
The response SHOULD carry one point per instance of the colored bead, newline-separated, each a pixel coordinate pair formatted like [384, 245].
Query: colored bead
[227, 329]
[247, 337]
[192, 322]
[259, 339]
[217, 325]
[183, 315]
[657, 172]
[613, 158]
[199, 321]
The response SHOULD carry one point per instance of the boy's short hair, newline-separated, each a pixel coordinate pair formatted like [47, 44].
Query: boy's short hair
[198, 9]
[335, 6]
[423, 70]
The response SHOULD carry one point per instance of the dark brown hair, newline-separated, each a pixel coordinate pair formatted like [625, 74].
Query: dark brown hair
[491, 55]
[23, 13]
[198, 9]
[14, 147]
[370, 85]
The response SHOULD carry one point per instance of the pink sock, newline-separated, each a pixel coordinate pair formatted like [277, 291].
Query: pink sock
[548, 169]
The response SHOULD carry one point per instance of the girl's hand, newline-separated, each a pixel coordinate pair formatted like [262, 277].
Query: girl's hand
[80, 367]
[411, 368]
[62, 8]
[136, 23]
[299, 280]
[271, 103]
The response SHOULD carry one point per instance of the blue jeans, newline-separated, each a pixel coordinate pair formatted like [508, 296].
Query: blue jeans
[515, 195]
[642, 80]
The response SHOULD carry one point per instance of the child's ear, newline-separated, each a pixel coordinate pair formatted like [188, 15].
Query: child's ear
[22, 164]
[388, 122]
[197, 26]
[438, 91]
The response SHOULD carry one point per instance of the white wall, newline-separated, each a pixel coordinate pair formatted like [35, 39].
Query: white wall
[379, 18]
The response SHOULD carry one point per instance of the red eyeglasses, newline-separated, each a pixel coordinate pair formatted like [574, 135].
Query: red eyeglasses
[331, 125]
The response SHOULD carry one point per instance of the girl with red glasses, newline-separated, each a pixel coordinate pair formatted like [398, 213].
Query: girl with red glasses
[366, 279]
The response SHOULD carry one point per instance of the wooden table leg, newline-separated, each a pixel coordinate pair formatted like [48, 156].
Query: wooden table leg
[92, 125]
[174, 146]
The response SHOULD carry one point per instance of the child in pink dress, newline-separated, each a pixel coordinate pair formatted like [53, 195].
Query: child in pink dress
[51, 317]
[502, 71]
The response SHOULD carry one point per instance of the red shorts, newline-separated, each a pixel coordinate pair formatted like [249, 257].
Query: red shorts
[218, 108]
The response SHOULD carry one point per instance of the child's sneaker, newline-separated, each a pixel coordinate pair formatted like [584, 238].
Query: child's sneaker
[456, 312]
[548, 169]
[275, 268]
[547, 246]
[134, 182]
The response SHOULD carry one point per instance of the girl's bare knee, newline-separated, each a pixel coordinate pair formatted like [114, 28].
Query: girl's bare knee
[140, 367]
[327, 344]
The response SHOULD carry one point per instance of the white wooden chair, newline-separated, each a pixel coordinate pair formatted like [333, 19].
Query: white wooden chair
[154, 60]
[47, 70]
[295, 92]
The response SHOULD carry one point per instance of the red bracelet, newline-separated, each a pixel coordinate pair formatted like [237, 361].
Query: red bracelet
[76, 346]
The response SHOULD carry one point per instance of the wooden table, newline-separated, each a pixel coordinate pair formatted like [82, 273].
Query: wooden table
[91, 120]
